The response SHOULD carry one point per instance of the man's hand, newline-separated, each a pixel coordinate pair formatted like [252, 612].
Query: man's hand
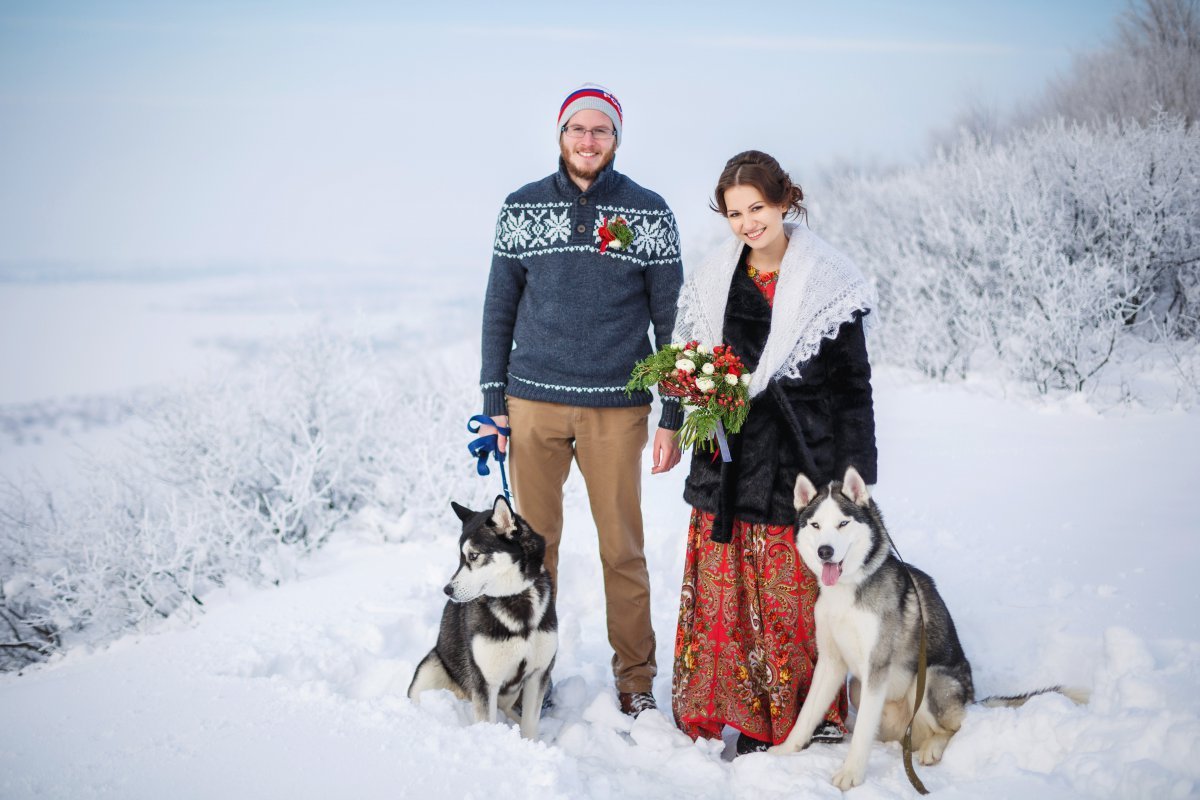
[488, 430]
[666, 452]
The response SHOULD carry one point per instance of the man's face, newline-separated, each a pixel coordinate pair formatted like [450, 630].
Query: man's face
[585, 157]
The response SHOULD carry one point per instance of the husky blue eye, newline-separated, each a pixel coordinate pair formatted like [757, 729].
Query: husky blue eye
[843, 523]
[473, 557]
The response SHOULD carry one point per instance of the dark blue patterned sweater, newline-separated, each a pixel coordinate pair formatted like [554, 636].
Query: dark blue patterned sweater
[563, 322]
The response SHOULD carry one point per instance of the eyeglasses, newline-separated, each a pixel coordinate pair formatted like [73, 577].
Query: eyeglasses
[578, 132]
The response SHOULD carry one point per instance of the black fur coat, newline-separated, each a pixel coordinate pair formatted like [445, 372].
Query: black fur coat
[818, 424]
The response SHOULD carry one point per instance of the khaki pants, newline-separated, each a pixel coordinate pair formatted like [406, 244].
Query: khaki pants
[607, 444]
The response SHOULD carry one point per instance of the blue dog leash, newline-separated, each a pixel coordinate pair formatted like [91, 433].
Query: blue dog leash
[481, 447]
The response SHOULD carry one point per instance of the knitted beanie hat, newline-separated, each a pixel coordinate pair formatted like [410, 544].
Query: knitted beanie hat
[594, 97]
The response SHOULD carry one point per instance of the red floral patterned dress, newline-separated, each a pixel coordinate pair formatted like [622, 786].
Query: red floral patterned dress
[745, 647]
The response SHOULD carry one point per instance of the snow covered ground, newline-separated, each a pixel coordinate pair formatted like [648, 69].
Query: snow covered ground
[1062, 538]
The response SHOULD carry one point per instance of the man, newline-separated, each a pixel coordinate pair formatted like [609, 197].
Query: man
[584, 262]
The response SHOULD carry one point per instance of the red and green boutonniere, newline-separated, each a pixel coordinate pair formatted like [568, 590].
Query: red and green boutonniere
[615, 234]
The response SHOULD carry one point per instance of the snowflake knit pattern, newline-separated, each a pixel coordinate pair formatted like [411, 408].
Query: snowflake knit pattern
[565, 322]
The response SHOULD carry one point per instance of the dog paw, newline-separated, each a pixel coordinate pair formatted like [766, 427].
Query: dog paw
[848, 777]
[931, 752]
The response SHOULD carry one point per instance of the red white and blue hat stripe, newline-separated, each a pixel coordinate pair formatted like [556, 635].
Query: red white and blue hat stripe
[594, 97]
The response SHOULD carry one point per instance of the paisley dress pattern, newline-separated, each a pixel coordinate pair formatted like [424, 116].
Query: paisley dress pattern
[745, 647]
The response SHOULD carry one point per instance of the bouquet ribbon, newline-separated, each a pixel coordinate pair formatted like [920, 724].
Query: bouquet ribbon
[724, 445]
[483, 446]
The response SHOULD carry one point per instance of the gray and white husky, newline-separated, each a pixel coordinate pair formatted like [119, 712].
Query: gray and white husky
[499, 631]
[868, 618]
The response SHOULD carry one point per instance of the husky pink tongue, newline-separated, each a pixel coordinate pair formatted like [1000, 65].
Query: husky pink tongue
[830, 573]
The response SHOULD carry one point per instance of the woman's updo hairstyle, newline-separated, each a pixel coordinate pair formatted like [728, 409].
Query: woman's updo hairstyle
[756, 168]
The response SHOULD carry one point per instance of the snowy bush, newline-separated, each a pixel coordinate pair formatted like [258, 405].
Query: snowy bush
[102, 562]
[1038, 254]
[283, 456]
[434, 466]
[232, 481]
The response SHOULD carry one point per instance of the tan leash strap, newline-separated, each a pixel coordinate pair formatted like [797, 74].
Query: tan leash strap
[907, 742]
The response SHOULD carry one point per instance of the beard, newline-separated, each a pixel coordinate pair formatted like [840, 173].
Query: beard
[584, 174]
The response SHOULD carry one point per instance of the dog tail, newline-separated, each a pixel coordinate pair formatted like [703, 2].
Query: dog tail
[1077, 695]
[432, 674]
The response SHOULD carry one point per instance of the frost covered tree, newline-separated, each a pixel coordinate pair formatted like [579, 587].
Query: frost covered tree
[1152, 66]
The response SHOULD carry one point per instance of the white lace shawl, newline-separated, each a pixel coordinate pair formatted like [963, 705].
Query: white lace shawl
[819, 289]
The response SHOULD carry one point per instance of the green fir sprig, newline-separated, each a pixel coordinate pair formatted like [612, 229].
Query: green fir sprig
[621, 231]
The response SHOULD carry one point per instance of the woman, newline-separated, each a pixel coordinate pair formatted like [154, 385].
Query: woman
[793, 309]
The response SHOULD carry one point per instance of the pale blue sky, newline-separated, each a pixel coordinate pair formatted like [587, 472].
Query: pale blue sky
[273, 132]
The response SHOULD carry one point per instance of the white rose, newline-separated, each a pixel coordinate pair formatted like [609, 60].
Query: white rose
[689, 353]
[705, 384]
[708, 369]
[701, 349]
[732, 380]
[745, 379]
[685, 365]
[676, 345]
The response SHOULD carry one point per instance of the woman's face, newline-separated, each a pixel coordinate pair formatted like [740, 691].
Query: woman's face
[752, 219]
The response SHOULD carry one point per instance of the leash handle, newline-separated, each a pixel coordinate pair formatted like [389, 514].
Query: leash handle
[484, 419]
[484, 446]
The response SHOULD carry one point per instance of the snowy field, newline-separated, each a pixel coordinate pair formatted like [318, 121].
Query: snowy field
[1062, 537]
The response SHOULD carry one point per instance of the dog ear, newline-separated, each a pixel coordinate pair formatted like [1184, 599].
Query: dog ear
[804, 493]
[503, 517]
[534, 548]
[463, 512]
[855, 488]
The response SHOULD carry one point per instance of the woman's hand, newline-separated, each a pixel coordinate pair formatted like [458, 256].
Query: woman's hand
[501, 439]
[666, 452]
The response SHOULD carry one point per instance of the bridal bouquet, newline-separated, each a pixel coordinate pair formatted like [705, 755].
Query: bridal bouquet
[712, 383]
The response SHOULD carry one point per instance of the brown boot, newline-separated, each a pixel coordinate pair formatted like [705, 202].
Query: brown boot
[634, 703]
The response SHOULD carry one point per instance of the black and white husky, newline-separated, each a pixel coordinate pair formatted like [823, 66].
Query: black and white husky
[869, 625]
[499, 632]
